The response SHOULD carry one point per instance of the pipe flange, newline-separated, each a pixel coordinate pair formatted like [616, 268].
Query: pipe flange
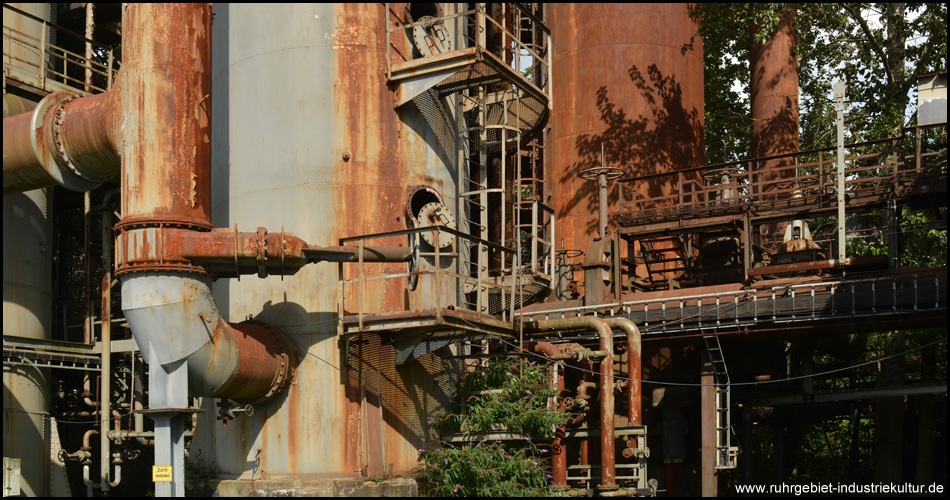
[45, 146]
[290, 358]
[59, 117]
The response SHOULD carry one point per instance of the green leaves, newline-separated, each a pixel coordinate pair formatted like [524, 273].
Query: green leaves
[503, 395]
[878, 49]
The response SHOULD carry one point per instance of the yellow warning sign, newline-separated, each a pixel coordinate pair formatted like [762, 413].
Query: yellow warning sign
[161, 473]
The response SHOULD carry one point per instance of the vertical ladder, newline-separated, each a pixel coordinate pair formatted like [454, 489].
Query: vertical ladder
[473, 200]
[725, 454]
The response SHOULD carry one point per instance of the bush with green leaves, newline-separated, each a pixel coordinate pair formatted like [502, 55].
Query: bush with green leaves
[504, 396]
[489, 469]
[507, 393]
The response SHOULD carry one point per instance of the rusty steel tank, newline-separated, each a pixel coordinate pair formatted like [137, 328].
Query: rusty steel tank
[305, 137]
[620, 80]
[27, 282]
[774, 92]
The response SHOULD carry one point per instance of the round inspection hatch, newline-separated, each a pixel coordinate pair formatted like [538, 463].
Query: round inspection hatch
[435, 214]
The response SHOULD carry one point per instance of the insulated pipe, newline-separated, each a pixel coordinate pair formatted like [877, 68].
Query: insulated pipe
[607, 451]
[634, 368]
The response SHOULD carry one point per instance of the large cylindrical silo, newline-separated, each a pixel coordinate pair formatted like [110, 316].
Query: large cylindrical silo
[305, 137]
[27, 286]
[620, 80]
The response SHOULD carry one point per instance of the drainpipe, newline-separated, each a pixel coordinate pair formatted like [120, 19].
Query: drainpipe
[634, 368]
[607, 452]
[105, 393]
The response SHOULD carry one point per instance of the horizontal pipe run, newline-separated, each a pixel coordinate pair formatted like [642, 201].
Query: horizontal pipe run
[352, 254]
[67, 140]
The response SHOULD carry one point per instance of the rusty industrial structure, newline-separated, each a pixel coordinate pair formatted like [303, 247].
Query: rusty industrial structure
[418, 187]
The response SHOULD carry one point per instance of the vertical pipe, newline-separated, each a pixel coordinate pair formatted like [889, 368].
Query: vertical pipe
[90, 29]
[559, 459]
[602, 194]
[606, 385]
[707, 409]
[839, 108]
[105, 405]
[634, 368]
[166, 95]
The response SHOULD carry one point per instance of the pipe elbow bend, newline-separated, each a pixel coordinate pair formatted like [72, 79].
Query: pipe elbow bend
[173, 318]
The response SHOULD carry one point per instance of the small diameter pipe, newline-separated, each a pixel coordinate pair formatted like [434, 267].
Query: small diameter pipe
[106, 337]
[608, 474]
[634, 368]
[559, 455]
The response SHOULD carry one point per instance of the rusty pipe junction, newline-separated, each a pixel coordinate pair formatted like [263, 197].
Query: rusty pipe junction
[604, 333]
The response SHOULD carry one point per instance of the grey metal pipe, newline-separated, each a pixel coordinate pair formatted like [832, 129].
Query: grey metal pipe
[607, 448]
[173, 318]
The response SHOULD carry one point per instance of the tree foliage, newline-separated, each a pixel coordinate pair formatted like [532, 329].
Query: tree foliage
[878, 49]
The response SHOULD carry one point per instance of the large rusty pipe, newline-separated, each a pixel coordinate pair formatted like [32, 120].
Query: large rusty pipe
[174, 312]
[67, 140]
[166, 96]
[607, 451]
[166, 186]
[634, 368]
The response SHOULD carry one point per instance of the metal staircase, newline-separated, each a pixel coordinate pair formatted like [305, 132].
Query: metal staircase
[490, 62]
[725, 454]
[664, 257]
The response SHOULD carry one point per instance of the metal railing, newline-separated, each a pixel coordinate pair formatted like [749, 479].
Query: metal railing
[539, 236]
[490, 32]
[820, 300]
[873, 169]
[55, 68]
[434, 265]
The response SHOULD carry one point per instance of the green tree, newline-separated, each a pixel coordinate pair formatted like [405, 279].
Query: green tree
[878, 49]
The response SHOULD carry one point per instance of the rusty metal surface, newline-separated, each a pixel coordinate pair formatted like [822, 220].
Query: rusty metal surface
[166, 95]
[629, 89]
[605, 385]
[774, 97]
[66, 140]
[305, 136]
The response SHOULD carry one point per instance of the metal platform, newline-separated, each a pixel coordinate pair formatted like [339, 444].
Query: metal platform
[889, 300]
